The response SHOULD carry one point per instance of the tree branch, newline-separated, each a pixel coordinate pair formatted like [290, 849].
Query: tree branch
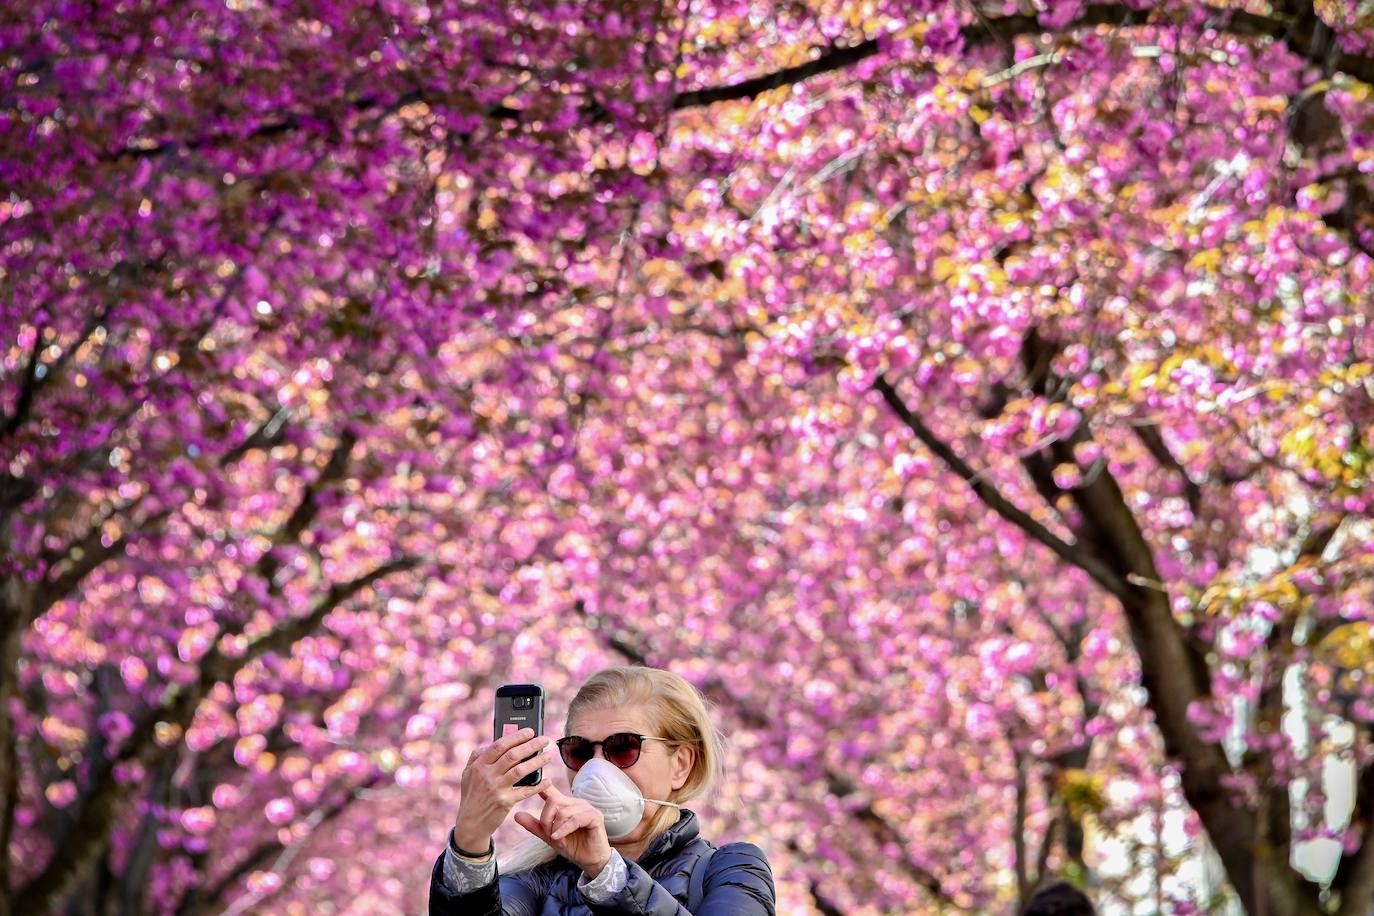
[84, 556]
[1354, 219]
[306, 510]
[1300, 39]
[1150, 436]
[266, 435]
[823, 904]
[1320, 536]
[28, 388]
[145, 849]
[10, 637]
[198, 901]
[1042, 860]
[818, 898]
[33, 385]
[286, 634]
[836, 59]
[1018, 832]
[997, 30]
[1073, 554]
[367, 104]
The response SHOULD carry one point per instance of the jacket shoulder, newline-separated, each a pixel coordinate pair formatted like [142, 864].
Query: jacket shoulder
[742, 864]
[737, 855]
[739, 880]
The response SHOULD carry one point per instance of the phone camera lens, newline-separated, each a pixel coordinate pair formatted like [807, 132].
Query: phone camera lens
[522, 703]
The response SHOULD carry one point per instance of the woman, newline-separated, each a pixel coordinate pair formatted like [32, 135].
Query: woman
[639, 742]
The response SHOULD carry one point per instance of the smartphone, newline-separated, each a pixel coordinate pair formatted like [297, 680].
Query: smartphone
[521, 705]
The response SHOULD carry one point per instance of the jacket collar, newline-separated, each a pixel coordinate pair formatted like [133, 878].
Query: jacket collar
[675, 838]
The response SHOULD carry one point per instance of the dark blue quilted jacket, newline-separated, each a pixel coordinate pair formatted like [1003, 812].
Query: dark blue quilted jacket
[738, 883]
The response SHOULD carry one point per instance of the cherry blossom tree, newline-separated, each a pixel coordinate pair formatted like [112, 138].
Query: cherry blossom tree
[973, 399]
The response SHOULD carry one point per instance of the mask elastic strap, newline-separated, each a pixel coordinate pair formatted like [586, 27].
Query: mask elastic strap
[668, 803]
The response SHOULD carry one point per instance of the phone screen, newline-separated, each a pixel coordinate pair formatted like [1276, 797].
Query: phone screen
[520, 706]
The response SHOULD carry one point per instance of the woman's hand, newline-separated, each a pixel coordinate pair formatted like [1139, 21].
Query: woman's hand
[488, 787]
[575, 830]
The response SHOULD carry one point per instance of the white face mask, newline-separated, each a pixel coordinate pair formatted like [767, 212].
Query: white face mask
[606, 788]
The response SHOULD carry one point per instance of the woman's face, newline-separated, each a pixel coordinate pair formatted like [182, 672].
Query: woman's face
[660, 769]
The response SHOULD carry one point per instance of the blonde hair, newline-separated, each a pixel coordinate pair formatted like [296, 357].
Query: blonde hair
[676, 712]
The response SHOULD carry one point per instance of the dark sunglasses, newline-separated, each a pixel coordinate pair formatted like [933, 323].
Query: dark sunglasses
[621, 749]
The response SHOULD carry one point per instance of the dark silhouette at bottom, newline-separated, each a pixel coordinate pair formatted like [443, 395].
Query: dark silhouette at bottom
[1059, 899]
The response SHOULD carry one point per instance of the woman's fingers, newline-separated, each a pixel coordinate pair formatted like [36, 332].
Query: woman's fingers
[557, 829]
[541, 826]
[551, 810]
[568, 823]
[517, 754]
[530, 824]
[516, 794]
[561, 816]
[564, 811]
[552, 825]
[491, 753]
[572, 816]
[523, 767]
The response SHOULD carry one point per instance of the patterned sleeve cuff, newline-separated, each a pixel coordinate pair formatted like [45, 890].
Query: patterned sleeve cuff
[462, 875]
[606, 885]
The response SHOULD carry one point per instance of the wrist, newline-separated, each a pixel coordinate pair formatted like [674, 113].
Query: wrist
[596, 867]
[471, 846]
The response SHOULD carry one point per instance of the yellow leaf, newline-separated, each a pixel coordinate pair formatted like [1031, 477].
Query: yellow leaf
[1350, 645]
[1205, 260]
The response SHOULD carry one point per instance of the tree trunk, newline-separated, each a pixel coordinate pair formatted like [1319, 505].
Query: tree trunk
[13, 605]
[1018, 834]
[1111, 548]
